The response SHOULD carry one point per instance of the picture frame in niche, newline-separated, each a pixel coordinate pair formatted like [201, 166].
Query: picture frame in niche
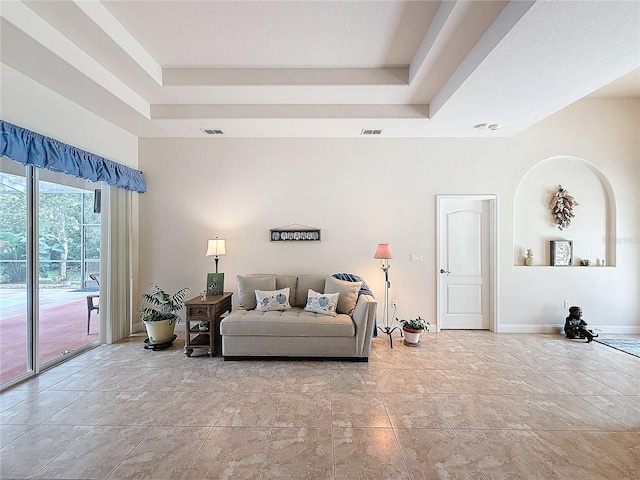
[561, 253]
[215, 283]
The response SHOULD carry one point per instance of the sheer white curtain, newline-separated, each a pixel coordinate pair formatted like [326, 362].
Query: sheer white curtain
[116, 265]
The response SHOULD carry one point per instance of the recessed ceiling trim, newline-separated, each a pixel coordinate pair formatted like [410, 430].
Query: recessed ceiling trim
[436, 26]
[25, 19]
[508, 18]
[114, 29]
[285, 76]
[213, 112]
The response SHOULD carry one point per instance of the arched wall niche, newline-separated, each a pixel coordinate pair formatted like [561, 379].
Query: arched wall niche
[592, 230]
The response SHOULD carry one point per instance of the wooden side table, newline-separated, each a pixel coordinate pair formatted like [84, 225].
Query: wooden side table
[203, 323]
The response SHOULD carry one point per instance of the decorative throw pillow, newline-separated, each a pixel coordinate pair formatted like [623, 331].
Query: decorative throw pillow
[248, 284]
[324, 303]
[348, 293]
[272, 300]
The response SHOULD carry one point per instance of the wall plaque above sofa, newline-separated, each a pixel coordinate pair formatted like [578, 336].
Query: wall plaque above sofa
[294, 233]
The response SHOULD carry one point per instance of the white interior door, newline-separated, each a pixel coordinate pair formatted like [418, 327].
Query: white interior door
[465, 257]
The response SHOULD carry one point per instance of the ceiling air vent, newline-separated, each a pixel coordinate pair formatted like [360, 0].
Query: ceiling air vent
[212, 131]
[370, 132]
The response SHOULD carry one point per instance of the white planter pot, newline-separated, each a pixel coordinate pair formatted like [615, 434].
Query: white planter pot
[160, 332]
[411, 337]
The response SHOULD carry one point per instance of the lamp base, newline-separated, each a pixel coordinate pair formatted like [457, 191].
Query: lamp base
[388, 331]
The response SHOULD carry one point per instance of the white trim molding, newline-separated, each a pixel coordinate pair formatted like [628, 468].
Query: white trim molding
[559, 329]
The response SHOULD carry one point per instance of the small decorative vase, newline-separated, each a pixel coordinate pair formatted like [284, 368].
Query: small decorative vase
[529, 260]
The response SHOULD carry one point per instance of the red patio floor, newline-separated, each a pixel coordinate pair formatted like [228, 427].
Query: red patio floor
[62, 327]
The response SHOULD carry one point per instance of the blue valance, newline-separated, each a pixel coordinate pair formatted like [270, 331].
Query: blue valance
[31, 148]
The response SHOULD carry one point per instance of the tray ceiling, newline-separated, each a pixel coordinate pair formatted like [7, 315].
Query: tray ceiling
[324, 68]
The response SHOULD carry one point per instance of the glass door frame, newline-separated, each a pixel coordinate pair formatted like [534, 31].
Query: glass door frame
[34, 366]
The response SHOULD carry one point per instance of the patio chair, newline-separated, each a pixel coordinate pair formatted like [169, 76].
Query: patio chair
[90, 301]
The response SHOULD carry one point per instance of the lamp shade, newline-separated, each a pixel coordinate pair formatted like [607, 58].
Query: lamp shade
[383, 251]
[216, 247]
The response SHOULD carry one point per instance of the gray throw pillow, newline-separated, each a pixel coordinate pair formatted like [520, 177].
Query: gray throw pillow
[348, 293]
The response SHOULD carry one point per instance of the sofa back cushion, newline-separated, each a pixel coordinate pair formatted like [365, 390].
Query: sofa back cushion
[306, 282]
[290, 282]
[248, 284]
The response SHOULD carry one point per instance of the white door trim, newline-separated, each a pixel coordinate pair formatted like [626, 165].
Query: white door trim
[493, 256]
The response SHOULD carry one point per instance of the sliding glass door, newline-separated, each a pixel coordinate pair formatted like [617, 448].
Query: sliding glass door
[14, 329]
[49, 309]
[63, 216]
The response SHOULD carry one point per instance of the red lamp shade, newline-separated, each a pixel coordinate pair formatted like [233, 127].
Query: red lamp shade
[383, 251]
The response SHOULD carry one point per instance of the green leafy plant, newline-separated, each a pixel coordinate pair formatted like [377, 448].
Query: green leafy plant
[13, 254]
[162, 305]
[415, 324]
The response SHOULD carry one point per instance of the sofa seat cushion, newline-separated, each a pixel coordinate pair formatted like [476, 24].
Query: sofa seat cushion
[294, 322]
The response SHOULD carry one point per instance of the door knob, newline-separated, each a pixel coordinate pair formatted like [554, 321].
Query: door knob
[447, 272]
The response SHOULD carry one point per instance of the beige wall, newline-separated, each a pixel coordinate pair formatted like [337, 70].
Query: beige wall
[28, 104]
[364, 191]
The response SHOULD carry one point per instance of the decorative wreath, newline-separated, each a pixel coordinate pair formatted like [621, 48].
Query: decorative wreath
[562, 208]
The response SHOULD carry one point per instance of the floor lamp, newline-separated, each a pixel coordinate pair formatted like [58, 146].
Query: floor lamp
[383, 252]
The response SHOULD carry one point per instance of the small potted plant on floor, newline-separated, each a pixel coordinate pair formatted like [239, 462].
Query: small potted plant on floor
[412, 329]
[161, 315]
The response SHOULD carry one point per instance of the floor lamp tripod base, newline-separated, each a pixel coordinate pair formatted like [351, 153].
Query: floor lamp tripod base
[388, 331]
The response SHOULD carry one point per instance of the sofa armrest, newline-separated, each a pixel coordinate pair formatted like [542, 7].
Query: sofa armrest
[364, 318]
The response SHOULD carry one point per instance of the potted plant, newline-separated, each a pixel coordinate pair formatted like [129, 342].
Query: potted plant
[412, 329]
[161, 315]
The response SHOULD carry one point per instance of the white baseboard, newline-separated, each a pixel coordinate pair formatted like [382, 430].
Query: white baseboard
[530, 328]
[600, 329]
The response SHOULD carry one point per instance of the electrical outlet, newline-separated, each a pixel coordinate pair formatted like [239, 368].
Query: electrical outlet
[567, 304]
[394, 303]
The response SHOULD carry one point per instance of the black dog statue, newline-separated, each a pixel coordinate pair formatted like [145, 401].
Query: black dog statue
[575, 327]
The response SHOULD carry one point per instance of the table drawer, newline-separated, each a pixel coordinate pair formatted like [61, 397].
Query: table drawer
[197, 311]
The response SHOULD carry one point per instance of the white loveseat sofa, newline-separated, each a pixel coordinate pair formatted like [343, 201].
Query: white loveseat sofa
[294, 332]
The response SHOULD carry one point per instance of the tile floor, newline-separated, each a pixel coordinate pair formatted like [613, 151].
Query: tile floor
[464, 404]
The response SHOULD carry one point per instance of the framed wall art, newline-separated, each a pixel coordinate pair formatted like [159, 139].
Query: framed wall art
[294, 233]
[215, 283]
[561, 253]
